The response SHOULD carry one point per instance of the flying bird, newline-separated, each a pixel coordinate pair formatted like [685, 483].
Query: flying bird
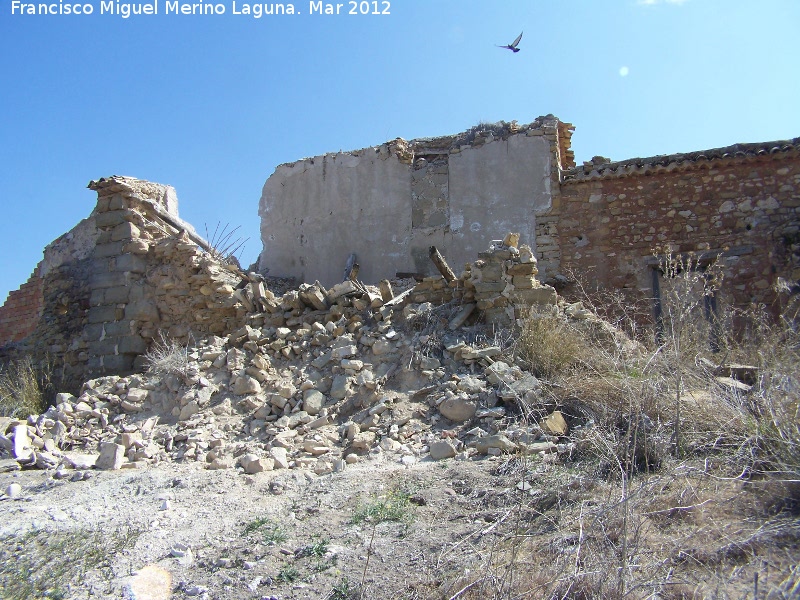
[513, 45]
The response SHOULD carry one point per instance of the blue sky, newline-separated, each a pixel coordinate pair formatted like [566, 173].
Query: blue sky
[212, 104]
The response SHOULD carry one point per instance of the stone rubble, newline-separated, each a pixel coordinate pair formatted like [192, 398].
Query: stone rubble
[308, 383]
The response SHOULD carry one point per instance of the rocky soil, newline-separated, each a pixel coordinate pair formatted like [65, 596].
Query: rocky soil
[354, 443]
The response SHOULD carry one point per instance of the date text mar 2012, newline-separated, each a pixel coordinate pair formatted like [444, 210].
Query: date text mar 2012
[373, 7]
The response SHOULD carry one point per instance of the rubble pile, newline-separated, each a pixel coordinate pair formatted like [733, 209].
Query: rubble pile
[315, 379]
[505, 281]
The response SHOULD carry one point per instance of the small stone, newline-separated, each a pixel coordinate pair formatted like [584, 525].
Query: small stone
[180, 550]
[554, 424]
[511, 240]
[313, 401]
[381, 347]
[245, 385]
[499, 442]
[14, 490]
[195, 590]
[46, 460]
[253, 464]
[23, 449]
[165, 505]
[279, 455]
[498, 412]
[340, 387]
[442, 450]
[364, 440]
[458, 409]
[188, 411]
[323, 467]
[344, 352]
[80, 461]
[219, 464]
[111, 456]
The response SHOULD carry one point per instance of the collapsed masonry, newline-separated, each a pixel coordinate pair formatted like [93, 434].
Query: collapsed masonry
[129, 273]
[133, 270]
[323, 375]
[601, 220]
[314, 379]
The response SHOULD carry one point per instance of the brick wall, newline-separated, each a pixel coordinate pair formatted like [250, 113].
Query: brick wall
[745, 207]
[21, 311]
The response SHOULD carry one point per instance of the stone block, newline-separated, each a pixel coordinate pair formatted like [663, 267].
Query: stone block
[116, 363]
[106, 280]
[252, 464]
[523, 269]
[340, 388]
[442, 450]
[313, 401]
[483, 287]
[124, 231]
[540, 295]
[111, 456]
[116, 329]
[142, 310]
[499, 441]
[117, 202]
[101, 314]
[110, 218]
[457, 409]
[130, 262]
[132, 345]
[117, 295]
[523, 282]
[108, 250]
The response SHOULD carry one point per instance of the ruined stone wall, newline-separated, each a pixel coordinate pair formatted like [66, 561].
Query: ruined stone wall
[55, 305]
[129, 274]
[740, 203]
[21, 311]
[150, 278]
[389, 204]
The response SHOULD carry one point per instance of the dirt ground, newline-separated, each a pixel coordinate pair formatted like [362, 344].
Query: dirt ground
[429, 530]
[162, 511]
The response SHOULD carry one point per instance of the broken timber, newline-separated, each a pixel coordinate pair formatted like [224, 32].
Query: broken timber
[441, 264]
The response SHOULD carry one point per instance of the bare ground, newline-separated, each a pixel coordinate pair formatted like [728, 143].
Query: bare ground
[495, 527]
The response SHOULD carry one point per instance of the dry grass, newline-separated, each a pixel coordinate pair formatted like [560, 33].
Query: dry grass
[696, 483]
[23, 388]
[549, 345]
[167, 357]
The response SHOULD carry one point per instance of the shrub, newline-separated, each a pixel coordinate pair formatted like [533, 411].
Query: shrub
[548, 345]
[23, 388]
[167, 357]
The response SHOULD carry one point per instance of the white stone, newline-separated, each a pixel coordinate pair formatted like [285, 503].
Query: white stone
[111, 456]
[244, 385]
[252, 464]
[441, 450]
[279, 455]
[313, 401]
[458, 409]
[23, 449]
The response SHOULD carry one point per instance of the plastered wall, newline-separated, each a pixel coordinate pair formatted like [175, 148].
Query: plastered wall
[389, 204]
